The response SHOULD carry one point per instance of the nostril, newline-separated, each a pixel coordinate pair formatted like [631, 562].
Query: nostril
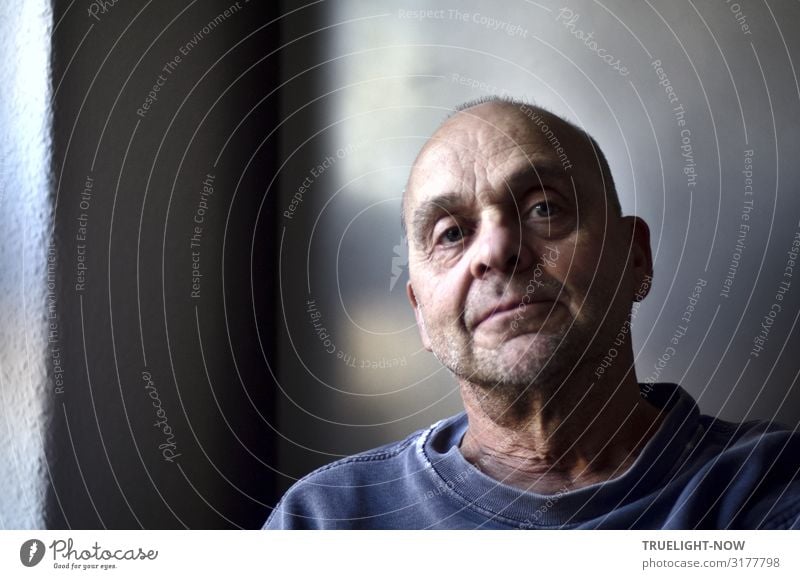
[481, 269]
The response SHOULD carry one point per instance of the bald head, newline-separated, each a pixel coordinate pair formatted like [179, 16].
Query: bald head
[516, 123]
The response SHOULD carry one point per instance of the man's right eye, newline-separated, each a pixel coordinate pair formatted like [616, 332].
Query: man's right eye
[451, 235]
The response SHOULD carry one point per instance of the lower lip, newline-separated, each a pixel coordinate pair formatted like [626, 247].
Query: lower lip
[500, 320]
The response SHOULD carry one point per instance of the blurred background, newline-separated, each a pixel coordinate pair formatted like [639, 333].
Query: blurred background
[202, 263]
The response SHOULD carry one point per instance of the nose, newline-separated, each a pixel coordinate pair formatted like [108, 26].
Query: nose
[499, 248]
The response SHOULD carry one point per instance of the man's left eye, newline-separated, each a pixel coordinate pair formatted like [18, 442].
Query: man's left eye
[544, 209]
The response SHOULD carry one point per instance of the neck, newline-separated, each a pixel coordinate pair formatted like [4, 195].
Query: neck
[577, 433]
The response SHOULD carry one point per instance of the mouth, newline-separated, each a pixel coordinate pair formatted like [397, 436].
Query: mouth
[502, 315]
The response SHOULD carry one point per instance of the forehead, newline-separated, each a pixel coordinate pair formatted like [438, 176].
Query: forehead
[491, 146]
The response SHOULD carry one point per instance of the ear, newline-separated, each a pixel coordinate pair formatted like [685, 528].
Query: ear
[423, 332]
[640, 260]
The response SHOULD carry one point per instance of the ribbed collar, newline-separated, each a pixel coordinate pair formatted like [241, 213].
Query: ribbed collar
[515, 507]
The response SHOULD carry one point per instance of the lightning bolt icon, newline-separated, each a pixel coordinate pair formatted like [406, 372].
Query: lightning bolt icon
[32, 552]
[399, 261]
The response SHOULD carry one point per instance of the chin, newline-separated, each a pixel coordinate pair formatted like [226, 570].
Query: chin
[523, 361]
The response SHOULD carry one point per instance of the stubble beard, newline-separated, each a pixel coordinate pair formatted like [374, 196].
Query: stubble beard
[530, 365]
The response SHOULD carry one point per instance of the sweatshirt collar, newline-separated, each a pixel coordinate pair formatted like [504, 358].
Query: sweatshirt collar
[516, 507]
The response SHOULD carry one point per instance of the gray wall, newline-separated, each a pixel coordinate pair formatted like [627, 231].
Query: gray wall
[384, 76]
[24, 178]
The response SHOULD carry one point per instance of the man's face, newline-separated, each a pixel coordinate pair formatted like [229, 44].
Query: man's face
[518, 269]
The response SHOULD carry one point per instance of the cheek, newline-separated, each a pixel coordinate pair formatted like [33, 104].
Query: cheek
[581, 264]
[441, 295]
[600, 266]
[572, 259]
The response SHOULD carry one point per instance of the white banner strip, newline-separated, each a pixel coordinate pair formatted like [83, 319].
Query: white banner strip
[354, 554]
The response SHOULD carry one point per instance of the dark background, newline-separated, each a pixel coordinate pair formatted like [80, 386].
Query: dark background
[336, 98]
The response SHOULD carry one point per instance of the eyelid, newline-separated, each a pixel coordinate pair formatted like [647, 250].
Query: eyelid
[545, 195]
[437, 227]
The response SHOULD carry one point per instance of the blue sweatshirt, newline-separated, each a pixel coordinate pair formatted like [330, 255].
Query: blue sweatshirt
[696, 472]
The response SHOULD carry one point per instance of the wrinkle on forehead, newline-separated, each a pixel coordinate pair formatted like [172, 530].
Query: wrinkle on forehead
[477, 142]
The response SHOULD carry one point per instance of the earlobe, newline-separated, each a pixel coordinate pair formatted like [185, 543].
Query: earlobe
[641, 257]
[644, 288]
[423, 333]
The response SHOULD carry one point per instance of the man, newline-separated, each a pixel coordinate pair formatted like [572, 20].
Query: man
[523, 273]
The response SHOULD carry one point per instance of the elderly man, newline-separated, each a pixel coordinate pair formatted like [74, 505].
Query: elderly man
[523, 272]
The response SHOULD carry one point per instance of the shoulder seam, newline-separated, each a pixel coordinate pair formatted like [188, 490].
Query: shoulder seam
[367, 456]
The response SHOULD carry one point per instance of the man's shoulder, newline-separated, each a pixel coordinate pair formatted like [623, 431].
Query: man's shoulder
[749, 432]
[761, 443]
[331, 490]
[752, 470]
[361, 464]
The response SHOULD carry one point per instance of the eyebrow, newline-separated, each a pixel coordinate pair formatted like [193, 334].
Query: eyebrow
[450, 203]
